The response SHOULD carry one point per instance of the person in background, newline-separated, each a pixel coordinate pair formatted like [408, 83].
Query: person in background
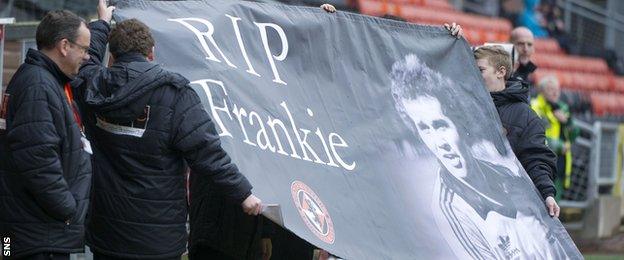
[553, 22]
[560, 129]
[523, 41]
[532, 19]
[148, 126]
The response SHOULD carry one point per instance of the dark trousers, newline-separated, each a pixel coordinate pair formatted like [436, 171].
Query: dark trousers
[47, 256]
[98, 256]
[205, 252]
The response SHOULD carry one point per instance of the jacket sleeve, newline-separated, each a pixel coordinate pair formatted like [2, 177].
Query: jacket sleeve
[99, 38]
[34, 148]
[535, 156]
[196, 137]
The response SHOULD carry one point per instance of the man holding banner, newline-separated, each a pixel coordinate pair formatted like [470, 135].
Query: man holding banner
[304, 101]
[147, 127]
[45, 167]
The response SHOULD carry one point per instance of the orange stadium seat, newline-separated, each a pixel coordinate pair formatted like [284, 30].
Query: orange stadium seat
[606, 103]
[433, 4]
[370, 8]
[598, 106]
[429, 14]
[547, 46]
[578, 80]
[571, 63]
[474, 36]
[618, 84]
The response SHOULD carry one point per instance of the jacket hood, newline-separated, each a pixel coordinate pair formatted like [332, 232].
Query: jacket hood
[122, 93]
[37, 58]
[515, 91]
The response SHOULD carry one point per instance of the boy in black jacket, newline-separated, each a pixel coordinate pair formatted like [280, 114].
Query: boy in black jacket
[522, 126]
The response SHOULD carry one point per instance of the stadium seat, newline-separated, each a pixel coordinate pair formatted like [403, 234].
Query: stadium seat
[598, 106]
[432, 4]
[547, 46]
[578, 80]
[618, 84]
[431, 14]
[571, 63]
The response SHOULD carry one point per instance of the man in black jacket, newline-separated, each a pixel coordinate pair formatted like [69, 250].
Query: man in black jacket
[523, 127]
[523, 41]
[147, 126]
[45, 171]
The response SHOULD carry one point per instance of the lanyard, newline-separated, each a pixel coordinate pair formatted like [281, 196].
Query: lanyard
[70, 100]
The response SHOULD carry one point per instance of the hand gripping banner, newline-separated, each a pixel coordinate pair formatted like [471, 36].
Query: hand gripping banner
[377, 138]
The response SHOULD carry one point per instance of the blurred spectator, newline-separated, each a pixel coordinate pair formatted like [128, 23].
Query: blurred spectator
[531, 18]
[511, 9]
[553, 22]
[523, 41]
[551, 14]
[560, 129]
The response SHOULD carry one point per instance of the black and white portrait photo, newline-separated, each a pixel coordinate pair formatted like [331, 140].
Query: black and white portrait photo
[483, 209]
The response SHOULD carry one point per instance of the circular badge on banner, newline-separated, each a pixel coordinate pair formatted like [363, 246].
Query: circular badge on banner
[313, 211]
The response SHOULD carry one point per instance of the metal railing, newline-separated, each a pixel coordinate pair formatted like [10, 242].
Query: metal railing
[594, 25]
[595, 167]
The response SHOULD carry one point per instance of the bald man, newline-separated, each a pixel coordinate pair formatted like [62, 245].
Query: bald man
[523, 40]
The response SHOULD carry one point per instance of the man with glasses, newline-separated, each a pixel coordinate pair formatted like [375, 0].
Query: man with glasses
[45, 169]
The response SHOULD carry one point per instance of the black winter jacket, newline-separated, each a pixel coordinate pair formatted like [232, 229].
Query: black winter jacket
[525, 133]
[147, 125]
[524, 71]
[45, 175]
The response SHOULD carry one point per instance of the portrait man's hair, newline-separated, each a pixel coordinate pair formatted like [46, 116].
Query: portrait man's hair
[412, 78]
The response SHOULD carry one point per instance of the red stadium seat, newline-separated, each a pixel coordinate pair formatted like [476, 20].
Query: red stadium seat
[571, 63]
[429, 11]
[432, 4]
[547, 46]
[598, 106]
[618, 84]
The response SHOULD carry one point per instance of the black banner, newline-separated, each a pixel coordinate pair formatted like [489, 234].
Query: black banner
[377, 138]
